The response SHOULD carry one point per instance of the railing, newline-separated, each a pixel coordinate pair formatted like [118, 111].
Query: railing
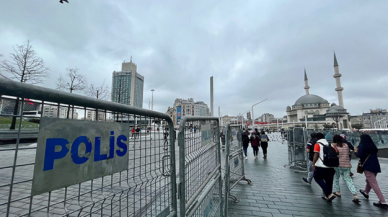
[97, 166]
[234, 163]
[86, 176]
[296, 144]
[200, 183]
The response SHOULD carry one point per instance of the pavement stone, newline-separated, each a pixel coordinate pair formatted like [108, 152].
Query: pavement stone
[277, 190]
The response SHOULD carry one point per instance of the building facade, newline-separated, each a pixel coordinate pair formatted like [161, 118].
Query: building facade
[91, 115]
[267, 117]
[128, 85]
[376, 118]
[189, 107]
[226, 119]
[7, 105]
[51, 111]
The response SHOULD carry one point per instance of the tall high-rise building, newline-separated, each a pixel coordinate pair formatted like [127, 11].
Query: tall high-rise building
[128, 85]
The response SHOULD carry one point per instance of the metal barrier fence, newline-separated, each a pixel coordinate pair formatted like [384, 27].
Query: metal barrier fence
[297, 156]
[78, 169]
[234, 163]
[200, 182]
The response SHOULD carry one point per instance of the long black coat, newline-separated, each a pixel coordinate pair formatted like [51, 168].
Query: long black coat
[245, 139]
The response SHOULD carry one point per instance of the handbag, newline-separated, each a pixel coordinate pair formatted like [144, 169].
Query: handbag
[360, 167]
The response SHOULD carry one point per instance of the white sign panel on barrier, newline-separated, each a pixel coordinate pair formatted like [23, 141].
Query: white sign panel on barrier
[206, 134]
[207, 206]
[73, 151]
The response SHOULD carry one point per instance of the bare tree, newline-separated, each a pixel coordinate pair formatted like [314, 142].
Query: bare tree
[25, 66]
[77, 83]
[99, 92]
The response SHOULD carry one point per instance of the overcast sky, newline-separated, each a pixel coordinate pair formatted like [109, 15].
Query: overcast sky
[254, 49]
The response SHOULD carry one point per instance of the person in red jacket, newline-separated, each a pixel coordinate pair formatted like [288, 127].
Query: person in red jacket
[133, 132]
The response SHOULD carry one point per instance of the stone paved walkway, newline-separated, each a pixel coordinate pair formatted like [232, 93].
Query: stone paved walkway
[279, 191]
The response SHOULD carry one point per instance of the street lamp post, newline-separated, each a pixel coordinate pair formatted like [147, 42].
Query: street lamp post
[253, 116]
[152, 108]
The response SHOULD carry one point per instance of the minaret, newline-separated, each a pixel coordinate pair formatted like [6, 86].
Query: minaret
[337, 77]
[306, 83]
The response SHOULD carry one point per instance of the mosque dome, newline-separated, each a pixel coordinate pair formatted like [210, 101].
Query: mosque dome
[336, 109]
[288, 108]
[310, 99]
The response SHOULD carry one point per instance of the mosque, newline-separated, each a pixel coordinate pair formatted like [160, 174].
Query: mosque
[317, 110]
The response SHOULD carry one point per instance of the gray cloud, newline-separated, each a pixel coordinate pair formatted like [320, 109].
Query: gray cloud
[254, 49]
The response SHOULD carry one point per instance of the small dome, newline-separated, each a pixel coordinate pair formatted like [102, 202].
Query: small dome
[336, 109]
[288, 108]
[309, 99]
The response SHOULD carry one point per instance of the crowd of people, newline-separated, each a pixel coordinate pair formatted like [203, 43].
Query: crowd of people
[257, 140]
[329, 161]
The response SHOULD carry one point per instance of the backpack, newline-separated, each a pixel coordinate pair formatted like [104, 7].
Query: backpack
[330, 157]
[263, 138]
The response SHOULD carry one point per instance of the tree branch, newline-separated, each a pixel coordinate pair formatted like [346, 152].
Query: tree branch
[24, 65]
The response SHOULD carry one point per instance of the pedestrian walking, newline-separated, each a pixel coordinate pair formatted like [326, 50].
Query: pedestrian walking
[166, 134]
[351, 148]
[137, 134]
[343, 169]
[222, 135]
[133, 132]
[245, 140]
[324, 174]
[310, 151]
[255, 144]
[264, 143]
[195, 129]
[258, 135]
[367, 152]
[285, 138]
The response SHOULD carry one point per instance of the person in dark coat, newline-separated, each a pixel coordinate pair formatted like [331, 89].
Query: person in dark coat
[165, 136]
[245, 141]
[264, 143]
[367, 152]
[222, 140]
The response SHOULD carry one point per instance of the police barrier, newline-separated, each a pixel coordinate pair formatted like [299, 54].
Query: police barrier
[200, 182]
[234, 163]
[290, 144]
[80, 167]
[297, 156]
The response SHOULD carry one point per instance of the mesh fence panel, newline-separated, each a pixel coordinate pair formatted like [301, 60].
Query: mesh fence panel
[144, 189]
[201, 161]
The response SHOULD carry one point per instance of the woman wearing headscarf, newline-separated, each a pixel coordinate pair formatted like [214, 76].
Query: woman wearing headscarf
[367, 152]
